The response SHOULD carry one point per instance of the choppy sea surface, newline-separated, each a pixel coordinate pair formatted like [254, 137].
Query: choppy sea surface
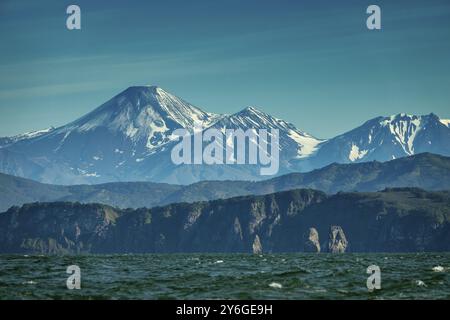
[226, 276]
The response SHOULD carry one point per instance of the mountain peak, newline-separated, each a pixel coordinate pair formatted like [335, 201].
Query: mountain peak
[151, 89]
[253, 112]
[401, 116]
[404, 116]
[251, 109]
[144, 114]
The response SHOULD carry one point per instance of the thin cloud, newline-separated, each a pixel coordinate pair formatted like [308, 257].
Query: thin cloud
[53, 90]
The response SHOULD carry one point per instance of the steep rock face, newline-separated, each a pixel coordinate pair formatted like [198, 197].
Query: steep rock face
[395, 220]
[57, 227]
[337, 241]
[312, 243]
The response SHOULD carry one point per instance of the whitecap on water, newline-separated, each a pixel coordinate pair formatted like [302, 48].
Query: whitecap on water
[275, 285]
[219, 261]
[438, 269]
[420, 283]
[194, 259]
[29, 282]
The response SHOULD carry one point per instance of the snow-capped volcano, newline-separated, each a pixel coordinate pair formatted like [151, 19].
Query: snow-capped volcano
[145, 114]
[293, 142]
[129, 138]
[108, 143]
[387, 138]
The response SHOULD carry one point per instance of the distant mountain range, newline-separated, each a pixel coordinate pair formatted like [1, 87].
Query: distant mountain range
[395, 220]
[387, 138]
[426, 171]
[129, 138]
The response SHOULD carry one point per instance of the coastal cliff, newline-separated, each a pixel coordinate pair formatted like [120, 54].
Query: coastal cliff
[394, 220]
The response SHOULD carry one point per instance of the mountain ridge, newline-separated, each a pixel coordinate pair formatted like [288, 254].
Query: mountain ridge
[129, 138]
[426, 171]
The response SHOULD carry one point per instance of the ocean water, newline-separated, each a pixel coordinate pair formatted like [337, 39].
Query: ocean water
[226, 276]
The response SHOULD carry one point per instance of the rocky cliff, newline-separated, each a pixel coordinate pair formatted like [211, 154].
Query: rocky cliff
[395, 220]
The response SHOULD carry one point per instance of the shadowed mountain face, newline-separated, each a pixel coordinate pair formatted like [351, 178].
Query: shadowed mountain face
[395, 220]
[426, 171]
[129, 138]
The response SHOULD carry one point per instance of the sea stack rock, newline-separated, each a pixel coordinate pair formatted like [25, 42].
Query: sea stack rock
[257, 247]
[311, 243]
[337, 241]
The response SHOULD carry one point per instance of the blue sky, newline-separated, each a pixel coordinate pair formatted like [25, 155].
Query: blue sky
[313, 63]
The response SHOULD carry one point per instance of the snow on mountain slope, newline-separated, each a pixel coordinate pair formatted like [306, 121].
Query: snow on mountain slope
[146, 113]
[386, 138]
[4, 141]
[446, 122]
[356, 154]
[33, 134]
[293, 142]
[404, 128]
[129, 138]
[111, 142]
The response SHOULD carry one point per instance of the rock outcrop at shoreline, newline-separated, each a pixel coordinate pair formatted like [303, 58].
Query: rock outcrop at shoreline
[337, 241]
[312, 243]
[257, 247]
